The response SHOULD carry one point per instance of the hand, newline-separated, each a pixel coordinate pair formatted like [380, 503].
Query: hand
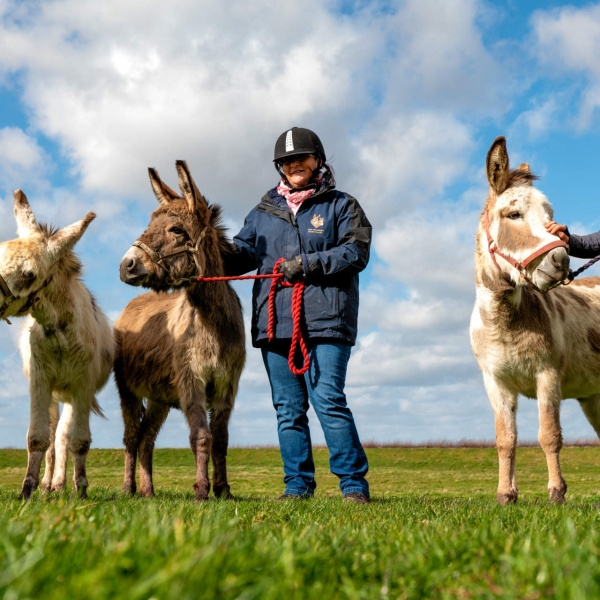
[555, 229]
[292, 269]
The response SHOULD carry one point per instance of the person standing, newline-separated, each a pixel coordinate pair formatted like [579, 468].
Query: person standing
[325, 237]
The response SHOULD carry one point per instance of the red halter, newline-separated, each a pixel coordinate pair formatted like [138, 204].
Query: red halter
[520, 266]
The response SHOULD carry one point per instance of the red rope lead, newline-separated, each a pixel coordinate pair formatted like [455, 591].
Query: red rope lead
[297, 339]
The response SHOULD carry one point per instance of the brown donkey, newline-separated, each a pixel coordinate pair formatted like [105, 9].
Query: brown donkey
[67, 344]
[529, 340]
[184, 349]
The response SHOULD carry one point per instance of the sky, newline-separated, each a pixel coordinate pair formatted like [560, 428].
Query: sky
[407, 97]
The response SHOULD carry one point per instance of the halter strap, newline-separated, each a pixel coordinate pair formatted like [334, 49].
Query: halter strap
[159, 259]
[10, 297]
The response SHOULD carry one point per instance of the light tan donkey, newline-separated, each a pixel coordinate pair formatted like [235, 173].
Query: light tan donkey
[529, 338]
[182, 349]
[67, 344]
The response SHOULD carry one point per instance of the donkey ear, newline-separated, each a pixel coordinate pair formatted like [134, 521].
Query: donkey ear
[67, 237]
[195, 200]
[497, 166]
[26, 224]
[164, 194]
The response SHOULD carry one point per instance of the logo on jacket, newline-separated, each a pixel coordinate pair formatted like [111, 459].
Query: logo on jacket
[317, 221]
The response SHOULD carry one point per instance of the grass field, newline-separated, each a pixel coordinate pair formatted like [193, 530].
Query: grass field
[433, 530]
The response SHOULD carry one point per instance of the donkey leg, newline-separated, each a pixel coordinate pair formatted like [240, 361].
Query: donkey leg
[59, 481]
[153, 420]
[38, 435]
[200, 441]
[550, 435]
[80, 439]
[504, 404]
[50, 453]
[591, 409]
[219, 420]
[131, 409]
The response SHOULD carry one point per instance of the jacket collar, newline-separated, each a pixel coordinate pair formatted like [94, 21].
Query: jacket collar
[272, 197]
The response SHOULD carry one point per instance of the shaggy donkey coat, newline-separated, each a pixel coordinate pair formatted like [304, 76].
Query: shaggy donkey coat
[183, 349]
[541, 345]
[67, 344]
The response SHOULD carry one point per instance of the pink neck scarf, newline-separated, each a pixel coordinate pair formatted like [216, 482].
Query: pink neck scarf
[294, 198]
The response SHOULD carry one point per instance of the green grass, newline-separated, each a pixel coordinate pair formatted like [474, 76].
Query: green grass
[433, 530]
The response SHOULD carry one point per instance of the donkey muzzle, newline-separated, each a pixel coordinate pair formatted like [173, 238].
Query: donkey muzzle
[132, 270]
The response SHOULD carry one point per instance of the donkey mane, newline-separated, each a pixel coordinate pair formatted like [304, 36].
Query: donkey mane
[47, 229]
[216, 222]
[521, 175]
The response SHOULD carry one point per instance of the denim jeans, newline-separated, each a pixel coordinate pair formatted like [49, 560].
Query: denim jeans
[322, 385]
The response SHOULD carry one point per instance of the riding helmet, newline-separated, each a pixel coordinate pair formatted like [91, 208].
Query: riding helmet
[298, 140]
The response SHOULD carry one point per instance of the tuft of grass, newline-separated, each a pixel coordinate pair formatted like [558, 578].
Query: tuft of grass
[433, 530]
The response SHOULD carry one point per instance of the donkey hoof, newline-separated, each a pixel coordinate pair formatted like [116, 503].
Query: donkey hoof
[223, 492]
[201, 490]
[556, 496]
[147, 492]
[129, 489]
[58, 487]
[506, 498]
[83, 493]
[26, 493]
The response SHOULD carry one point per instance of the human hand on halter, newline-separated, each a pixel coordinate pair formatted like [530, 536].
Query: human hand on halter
[555, 229]
[292, 269]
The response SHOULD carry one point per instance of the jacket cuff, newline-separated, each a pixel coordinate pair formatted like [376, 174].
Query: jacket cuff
[311, 265]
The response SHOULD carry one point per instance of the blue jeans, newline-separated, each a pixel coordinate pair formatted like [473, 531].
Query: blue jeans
[323, 384]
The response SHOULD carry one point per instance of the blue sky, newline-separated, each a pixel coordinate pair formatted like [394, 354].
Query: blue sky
[407, 98]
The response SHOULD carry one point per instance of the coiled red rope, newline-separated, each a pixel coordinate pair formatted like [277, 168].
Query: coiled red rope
[297, 294]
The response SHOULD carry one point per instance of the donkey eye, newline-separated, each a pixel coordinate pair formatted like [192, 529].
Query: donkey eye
[176, 230]
[514, 215]
[28, 275]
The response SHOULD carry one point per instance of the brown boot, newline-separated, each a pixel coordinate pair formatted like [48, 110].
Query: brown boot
[356, 497]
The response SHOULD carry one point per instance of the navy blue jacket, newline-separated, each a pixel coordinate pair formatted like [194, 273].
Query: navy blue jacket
[584, 246]
[332, 234]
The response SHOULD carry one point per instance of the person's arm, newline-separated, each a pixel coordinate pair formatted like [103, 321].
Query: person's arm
[351, 254]
[580, 246]
[584, 246]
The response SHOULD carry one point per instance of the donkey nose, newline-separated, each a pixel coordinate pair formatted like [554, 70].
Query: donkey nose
[129, 263]
[560, 260]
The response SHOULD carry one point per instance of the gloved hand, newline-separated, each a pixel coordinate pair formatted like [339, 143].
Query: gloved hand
[292, 269]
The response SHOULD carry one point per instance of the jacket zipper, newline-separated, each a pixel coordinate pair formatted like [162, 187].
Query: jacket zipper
[295, 224]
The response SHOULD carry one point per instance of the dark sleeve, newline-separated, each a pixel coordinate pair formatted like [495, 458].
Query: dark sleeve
[584, 246]
[351, 254]
[242, 257]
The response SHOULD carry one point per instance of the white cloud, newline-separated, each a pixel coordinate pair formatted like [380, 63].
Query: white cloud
[568, 39]
[431, 251]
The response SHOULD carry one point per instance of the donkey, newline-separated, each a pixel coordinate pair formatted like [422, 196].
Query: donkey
[66, 345]
[529, 340]
[184, 349]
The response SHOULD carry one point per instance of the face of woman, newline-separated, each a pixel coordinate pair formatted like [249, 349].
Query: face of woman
[299, 170]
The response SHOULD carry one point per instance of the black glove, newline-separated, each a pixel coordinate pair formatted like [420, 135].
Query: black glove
[292, 269]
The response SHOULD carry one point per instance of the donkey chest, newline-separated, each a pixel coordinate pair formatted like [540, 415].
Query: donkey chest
[59, 354]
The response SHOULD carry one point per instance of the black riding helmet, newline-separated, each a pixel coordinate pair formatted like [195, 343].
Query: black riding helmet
[298, 140]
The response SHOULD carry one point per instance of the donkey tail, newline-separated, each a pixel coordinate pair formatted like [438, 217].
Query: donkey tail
[97, 410]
